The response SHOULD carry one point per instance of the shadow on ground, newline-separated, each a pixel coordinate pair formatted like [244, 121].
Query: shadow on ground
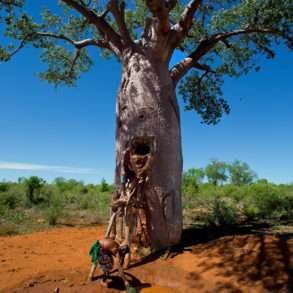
[248, 255]
[116, 282]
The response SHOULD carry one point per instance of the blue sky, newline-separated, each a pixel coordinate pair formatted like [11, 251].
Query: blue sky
[69, 132]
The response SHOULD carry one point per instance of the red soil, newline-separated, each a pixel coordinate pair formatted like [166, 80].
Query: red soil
[58, 260]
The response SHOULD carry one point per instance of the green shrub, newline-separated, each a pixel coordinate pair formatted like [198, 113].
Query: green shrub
[272, 201]
[88, 201]
[14, 216]
[222, 213]
[52, 215]
[4, 186]
[9, 200]
[55, 209]
[251, 212]
[33, 187]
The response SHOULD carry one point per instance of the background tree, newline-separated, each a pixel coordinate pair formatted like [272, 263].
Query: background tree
[219, 38]
[240, 173]
[33, 186]
[104, 186]
[217, 172]
[191, 180]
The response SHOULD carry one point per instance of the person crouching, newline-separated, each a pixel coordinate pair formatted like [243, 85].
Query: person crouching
[102, 253]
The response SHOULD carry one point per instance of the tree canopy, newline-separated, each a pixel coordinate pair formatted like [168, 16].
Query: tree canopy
[217, 172]
[219, 38]
[240, 173]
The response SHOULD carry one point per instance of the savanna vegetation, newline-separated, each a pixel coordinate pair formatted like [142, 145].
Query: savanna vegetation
[229, 193]
[221, 194]
[33, 204]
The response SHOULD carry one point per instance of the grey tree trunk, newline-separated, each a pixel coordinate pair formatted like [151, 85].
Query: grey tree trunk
[148, 123]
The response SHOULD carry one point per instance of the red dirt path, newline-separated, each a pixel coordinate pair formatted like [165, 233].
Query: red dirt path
[57, 258]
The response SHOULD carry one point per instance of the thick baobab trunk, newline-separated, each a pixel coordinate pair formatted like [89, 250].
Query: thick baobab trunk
[148, 122]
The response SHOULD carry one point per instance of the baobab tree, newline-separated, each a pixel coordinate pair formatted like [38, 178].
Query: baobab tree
[219, 38]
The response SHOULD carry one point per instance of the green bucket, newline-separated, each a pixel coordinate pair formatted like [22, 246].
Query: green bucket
[131, 290]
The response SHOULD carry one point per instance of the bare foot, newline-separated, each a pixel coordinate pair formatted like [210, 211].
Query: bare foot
[126, 261]
[90, 279]
[104, 283]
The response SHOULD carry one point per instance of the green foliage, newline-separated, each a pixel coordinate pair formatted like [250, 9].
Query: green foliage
[223, 213]
[271, 201]
[135, 18]
[104, 186]
[236, 55]
[55, 210]
[204, 97]
[11, 195]
[33, 187]
[4, 186]
[32, 204]
[73, 202]
[60, 68]
[266, 23]
[216, 172]
[251, 212]
[238, 201]
[9, 199]
[191, 180]
[240, 173]
[65, 64]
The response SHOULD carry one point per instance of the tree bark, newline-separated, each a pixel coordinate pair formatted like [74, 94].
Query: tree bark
[148, 122]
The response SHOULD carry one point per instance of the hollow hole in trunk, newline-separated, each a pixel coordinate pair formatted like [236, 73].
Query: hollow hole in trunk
[141, 149]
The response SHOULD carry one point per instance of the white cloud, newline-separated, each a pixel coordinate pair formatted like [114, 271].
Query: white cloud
[37, 167]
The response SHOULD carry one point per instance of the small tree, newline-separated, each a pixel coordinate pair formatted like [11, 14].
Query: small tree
[33, 186]
[240, 173]
[217, 172]
[191, 180]
[104, 186]
[4, 186]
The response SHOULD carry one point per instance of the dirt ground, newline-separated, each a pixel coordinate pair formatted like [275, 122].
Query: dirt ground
[57, 261]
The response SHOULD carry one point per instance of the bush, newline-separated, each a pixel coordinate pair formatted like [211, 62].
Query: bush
[52, 215]
[33, 187]
[272, 201]
[4, 186]
[251, 212]
[9, 200]
[55, 210]
[221, 205]
[88, 201]
[223, 213]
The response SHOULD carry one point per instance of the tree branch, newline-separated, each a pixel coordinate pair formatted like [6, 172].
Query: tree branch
[102, 26]
[182, 27]
[200, 81]
[179, 70]
[77, 44]
[182, 67]
[159, 9]
[74, 60]
[9, 3]
[16, 50]
[171, 4]
[118, 13]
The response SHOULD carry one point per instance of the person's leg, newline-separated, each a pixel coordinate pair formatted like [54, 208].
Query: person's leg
[92, 271]
[104, 278]
[122, 275]
[132, 225]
